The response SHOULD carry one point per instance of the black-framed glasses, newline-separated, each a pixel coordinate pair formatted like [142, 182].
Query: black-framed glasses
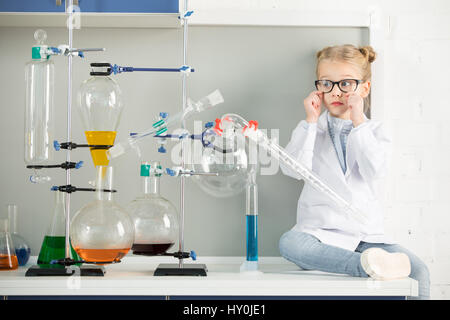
[345, 85]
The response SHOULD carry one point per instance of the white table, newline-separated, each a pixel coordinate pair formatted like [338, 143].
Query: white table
[134, 277]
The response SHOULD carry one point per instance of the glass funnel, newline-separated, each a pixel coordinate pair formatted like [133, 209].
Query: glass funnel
[102, 231]
[21, 247]
[100, 107]
[155, 218]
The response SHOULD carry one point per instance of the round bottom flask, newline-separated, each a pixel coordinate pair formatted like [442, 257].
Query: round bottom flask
[229, 161]
[155, 218]
[102, 231]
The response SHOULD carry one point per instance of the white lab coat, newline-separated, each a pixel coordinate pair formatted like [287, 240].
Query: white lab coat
[366, 159]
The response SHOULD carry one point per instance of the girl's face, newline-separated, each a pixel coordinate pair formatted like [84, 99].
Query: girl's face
[335, 101]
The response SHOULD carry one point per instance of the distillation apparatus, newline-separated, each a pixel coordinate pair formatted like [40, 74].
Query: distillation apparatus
[39, 130]
[229, 127]
[98, 146]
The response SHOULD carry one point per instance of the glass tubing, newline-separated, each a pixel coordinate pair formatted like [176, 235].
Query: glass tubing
[238, 124]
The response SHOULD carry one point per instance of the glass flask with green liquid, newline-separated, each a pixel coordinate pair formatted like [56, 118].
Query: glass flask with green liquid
[54, 243]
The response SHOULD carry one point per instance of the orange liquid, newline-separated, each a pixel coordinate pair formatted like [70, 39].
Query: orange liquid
[102, 255]
[8, 262]
[100, 138]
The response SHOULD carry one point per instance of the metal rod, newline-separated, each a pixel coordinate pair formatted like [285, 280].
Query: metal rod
[85, 49]
[183, 126]
[69, 124]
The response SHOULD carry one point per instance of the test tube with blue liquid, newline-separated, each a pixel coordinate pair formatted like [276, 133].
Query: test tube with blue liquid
[251, 217]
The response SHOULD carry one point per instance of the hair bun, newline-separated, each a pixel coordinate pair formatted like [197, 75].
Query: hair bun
[369, 53]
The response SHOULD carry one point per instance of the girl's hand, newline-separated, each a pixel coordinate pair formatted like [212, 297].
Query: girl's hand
[356, 105]
[313, 104]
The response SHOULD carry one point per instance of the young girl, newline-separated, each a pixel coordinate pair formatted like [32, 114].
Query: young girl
[349, 153]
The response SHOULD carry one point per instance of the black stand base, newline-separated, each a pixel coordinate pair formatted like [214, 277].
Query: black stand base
[51, 270]
[92, 271]
[173, 269]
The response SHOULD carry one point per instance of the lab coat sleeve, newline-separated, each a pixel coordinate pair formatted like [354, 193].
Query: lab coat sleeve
[371, 148]
[301, 147]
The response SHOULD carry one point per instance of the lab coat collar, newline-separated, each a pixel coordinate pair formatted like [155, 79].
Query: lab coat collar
[322, 123]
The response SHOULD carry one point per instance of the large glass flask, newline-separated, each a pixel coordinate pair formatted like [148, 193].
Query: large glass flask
[100, 106]
[155, 218]
[8, 258]
[229, 159]
[102, 231]
[39, 124]
[21, 247]
[54, 244]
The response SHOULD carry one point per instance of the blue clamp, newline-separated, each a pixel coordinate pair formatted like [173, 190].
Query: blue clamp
[184, 68]
[163, 115]
[193, 255]
[209, 125]
[81, 54]
[78, 165]
[132, 134]
[183, 136]
[189, 13]
[54, 188]
[55, 50]
[170, 172]
[161, 149]
[115, 69]
[56, 145]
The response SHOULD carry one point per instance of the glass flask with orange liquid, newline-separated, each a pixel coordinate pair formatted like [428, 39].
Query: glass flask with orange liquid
[8, 258]
[100, 107]
[21, 246]
[155, 218]
[102, 231]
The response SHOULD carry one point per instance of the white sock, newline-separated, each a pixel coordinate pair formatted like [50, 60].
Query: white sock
[382, 265]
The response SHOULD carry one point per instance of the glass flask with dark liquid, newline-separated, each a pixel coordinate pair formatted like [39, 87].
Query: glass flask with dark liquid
[155, 218]
[102, 231]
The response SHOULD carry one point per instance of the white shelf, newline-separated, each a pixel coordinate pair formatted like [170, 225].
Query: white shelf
[134, 276]
[91, 20]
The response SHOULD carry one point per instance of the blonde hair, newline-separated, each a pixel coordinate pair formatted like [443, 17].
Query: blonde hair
[361, 57]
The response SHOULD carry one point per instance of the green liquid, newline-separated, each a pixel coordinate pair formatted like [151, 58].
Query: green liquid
[54, 248]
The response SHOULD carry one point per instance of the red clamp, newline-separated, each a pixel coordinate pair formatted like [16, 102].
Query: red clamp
[251, 123]
[217, 128]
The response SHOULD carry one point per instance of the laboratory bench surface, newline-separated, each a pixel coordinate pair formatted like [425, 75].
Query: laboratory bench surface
[133, 277]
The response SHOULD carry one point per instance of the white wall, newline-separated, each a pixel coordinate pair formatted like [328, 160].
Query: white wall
[416, 111]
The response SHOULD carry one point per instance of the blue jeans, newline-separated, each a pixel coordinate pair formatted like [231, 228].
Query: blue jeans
[309, 253]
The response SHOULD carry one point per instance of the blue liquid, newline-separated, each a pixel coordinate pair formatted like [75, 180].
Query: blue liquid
[23, 254]
[252, 237]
